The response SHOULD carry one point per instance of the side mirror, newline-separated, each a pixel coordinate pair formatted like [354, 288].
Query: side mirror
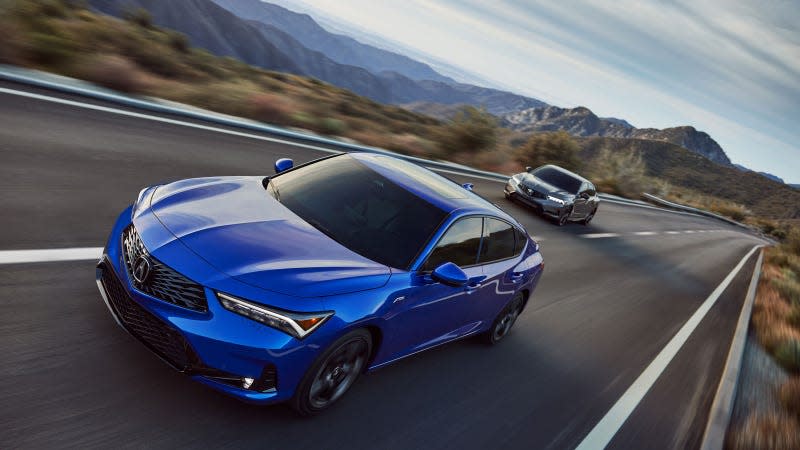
[468, 186]
[449, 274]
[283, 164]
[528, 168]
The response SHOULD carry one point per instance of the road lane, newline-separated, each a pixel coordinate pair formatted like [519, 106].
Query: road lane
[603, 310]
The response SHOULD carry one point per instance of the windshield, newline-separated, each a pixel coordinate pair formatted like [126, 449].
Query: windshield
[359, 208]
[558, 179]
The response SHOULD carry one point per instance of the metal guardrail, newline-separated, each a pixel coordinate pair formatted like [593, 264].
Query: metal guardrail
[702, 212]
[72, 86]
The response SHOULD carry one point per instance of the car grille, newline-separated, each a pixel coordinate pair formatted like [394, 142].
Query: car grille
[534, 193]
[160, 337]
[163, 283]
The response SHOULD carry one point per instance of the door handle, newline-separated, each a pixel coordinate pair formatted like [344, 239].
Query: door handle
[473, 286]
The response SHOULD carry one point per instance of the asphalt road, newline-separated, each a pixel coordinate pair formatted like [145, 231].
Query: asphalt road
[606, 306]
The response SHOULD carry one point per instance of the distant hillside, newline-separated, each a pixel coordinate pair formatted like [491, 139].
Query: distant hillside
[763, 174]
[437, 110]
[339, 48]
[683, 168]
[208, 26]
[581, 121]
[214, 28]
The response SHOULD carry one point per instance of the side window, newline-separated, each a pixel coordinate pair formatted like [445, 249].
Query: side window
[498, 241]
[521, 240]
[459, 245]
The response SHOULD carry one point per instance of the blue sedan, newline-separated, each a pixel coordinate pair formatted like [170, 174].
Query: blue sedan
[287, 288]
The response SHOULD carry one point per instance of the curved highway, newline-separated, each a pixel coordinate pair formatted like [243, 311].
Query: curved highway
[613, 296]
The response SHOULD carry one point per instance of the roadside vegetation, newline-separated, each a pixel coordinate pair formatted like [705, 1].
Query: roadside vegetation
[776, 325]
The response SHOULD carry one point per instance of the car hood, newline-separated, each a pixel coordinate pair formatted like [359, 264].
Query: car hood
[542, 186]
[242, 231]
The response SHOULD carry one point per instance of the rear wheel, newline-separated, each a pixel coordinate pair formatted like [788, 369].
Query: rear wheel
[333, 373]
[505, 320]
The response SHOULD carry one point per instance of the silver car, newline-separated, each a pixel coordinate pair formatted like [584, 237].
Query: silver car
[556, 193]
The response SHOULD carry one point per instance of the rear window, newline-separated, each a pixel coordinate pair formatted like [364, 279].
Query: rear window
[558, 179]
[498, 241]
[359, 208]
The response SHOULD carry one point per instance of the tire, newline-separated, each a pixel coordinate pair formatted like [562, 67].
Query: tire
[505, 320]
[564, 218]
[333, 373]
[589, 217]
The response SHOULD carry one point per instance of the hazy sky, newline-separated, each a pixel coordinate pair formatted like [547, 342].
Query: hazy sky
[731, 69]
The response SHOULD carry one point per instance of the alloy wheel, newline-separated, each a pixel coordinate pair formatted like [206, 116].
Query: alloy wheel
[338, 372]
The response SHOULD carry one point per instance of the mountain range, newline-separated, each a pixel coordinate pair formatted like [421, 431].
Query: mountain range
[273, 37]
[259, 37]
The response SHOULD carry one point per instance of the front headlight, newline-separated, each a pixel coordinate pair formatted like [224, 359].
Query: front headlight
[298, 325]
[556, 199]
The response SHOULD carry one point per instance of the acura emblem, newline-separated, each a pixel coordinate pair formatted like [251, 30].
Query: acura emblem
[141, 269]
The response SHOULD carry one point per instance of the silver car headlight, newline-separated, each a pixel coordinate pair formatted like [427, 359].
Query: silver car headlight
[556, 199]
[298, 325]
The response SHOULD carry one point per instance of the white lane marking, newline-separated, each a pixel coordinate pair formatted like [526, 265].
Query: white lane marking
[122, 112]
[599, 235]
[672, 232]
[689, 231]
[609, 425]
[61, 254]
[645, 233]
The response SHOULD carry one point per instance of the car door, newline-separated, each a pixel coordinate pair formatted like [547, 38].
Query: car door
[431, 312]
[500, 257]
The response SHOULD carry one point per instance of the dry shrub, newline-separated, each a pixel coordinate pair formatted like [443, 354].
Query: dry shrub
[789, 394]
[378, 139]
[410, 144]
[114, 72]
[557, 148]
[272, 108]
[619, 172]
[471, 131]
[769, 316]
[771, 431]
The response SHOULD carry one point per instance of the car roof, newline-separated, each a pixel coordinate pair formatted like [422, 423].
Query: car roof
[565, 171]
[432, 187]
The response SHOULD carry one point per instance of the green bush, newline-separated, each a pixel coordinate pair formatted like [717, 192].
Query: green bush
[471, 131]
[140, 17]
[335, 127]
[51, 49]
[557, 148]
[788, 354]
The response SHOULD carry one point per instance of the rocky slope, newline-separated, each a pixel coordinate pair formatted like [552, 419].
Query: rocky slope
[581, 121]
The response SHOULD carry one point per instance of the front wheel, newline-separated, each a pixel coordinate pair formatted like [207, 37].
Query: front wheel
[564, 217]
[589, 217]
[333, 373]
[505, 320]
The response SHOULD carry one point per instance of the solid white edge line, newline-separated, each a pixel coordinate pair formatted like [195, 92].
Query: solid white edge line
[719, 416]
[610, 424]
[48, 255]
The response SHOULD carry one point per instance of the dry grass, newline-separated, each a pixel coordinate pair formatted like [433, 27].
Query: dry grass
[774, 432]
[789, 395]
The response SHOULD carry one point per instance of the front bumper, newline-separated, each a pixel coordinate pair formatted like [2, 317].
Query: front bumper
[541, 205]
[216, 347]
